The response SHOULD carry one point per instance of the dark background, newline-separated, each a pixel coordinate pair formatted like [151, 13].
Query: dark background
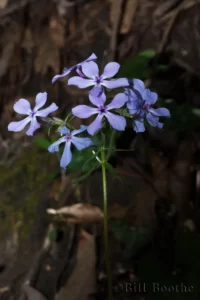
[154, 212]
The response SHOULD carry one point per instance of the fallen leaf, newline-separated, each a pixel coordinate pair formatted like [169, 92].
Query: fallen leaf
[4, 289]
[82, 282]
[3, 4]
[33, 294]
[79, 213]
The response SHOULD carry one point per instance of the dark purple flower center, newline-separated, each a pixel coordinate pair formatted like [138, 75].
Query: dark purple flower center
[101, 109]
[98, 79]
[32, 113]
[146, 106]
[68, 136]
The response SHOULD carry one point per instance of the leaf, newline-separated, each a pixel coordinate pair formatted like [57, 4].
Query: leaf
[79, 213]
[138, 66]
[81, 283]
[112, 171]
[42, 142]
[33, 294]
[83, 177]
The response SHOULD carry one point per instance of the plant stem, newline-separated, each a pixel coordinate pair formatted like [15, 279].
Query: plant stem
[110, 149]
[103, 166]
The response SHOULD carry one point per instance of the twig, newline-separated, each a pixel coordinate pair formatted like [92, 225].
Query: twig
[14, 7]
[184, 6]
[115, 30]
[169, 28]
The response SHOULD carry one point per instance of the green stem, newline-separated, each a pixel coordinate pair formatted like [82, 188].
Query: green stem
[110, 149]
[103, 165]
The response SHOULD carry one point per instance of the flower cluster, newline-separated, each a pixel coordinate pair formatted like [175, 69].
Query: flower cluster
[135, 102]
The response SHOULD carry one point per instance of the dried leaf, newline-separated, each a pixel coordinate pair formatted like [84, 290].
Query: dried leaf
[4, 289]
[3, 3]
[33, 294]
[79, 213]
[82, 282]
[129, 13]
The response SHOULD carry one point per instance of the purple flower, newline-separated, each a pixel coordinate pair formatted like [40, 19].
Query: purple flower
[70, 138]
[23, 107]
[75, 67]
[91, 71]
[140, 101]
[84, 111]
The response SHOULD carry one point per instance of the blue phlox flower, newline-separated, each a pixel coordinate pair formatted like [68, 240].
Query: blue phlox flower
[139, 102]
[22, 106]
[102, 110]
[70, 138]
[92, 78]
[76, 67]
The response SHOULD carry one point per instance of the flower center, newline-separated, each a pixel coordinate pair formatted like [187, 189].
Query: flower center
[32, 113]
[146, 106]
[98, 79]
[68, 136]
[101, 109]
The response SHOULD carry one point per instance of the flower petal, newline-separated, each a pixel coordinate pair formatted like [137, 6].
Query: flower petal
[18, 126]
[90, 69]
[110, 70]
[82, 128]
[154, 120]
[97, 96]
[81, 82]
[91, 57]
[138, 85]
[33, 127]
[55, 146]
[160, 112]
[115, 83]
[40, 100]
[138, 125]
[65, 73]
[66, 156]
[22, 106]
[117, 122]
[149, 97]
[46, 111]
[95, 125]
[118, 101]
[84, 111]
[64, 130]
[81, 143]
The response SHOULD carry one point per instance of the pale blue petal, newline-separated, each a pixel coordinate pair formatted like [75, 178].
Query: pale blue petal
[90, 69]
[40, 100]
[149, 97]
[97, 96]
[138, 85]
[115, 83]
[81, 82]
[18, 126]
[95, 125]
[82, 128]
[55, 146]
[64, 130]
[65, 73]
[153, 120]
[138, 125]
[84, 111]
[22, 106]
[66, 156]
[33, 127]
[117, 122]
[81, 143]
[160, 112]
[110, 70]
[45, 112]
[91, 57]
[118, 101]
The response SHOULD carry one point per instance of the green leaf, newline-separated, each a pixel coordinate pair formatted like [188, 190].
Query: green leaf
[84, 176]
[112, 171]
[82, 160]
[138, 66]
[53, 235]
[42, 142]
